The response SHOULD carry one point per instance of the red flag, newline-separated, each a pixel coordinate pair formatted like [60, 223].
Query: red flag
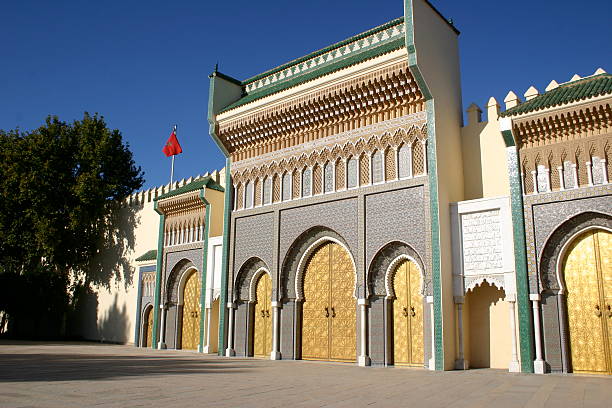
[172, 146]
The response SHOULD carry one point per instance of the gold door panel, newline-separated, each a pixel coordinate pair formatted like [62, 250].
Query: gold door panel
[343, 307]
[328, 325]
[407, 315]
[190, 330]
[149, 331]
[315, 311]
[586, 311]
[604, 245]
[262, 342]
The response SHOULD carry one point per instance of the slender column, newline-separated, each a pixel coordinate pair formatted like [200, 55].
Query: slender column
[561, 180]
[206, 348]
[548, 181]
[534, 179]
[515, 366]
[276, 355]
[364, 359]
[230, 352]
[460, 362]
[589, 172]
[604, 170]
[162, 328]
[425, 160]
[395, 155]
[539, 364]
[370, 169]
[575, 170]
[345, 161]
[432, 360]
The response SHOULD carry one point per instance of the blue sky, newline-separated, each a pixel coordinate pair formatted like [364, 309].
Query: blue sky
[144, 65]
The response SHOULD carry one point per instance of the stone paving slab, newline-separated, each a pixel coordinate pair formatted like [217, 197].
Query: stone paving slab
[95, 375]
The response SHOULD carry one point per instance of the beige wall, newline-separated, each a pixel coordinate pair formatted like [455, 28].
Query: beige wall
[109, 312]
[484, 155]
[437, 54]
[488, 341]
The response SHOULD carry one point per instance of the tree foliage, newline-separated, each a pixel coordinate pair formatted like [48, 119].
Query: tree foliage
[61, 186]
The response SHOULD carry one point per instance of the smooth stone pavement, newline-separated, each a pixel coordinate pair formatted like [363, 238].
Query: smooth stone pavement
[92, 375]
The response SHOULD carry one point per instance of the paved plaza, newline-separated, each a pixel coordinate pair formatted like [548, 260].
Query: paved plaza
[92, 375]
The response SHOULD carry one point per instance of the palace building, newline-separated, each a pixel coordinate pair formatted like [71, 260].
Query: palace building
[358, 219]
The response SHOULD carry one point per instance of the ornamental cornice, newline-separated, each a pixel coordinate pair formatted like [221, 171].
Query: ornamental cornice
[379, 136]
[181, 204]
[385, 94]
[562, 125]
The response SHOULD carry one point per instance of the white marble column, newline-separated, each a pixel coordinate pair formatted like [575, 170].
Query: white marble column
[561, 179]
[589, 172]
[460, 362]
[162, 329]
[424, 141]
[229, 351]
[432, 360]
[575, 171]
[539, 365]
[275, 354]
[514, 366]
[604, 170]
[534, 180]
[206, 348]
[364, 359]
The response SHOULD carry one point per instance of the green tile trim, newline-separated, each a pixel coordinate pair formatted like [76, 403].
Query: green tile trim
[225, 258]
[150, 255]
[433, 185]
[197, 184]
[160, 254]
[520, 256]
[325, 69]
[322, 51]
[207, 210]
[586, 88]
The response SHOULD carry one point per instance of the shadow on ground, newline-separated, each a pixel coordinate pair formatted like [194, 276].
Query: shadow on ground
[70, 367]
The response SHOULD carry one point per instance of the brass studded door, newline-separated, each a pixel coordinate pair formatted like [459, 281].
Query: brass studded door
[262, 340]
[149, 328]
[329, 315]
[407, 315]
[588, 279]
[190, 332]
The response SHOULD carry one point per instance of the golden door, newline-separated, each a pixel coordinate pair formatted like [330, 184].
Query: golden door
[149, 331]
[588, 279]
[407, 315]
[190, 334]
[262, 341]
[329, 315]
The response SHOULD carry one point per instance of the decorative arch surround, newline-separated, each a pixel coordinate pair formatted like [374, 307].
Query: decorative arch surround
[298, 253]
[496, 281]
[552, 255]
[299, 281]
[182, 281]
[174, 279]
[253, 282]
[390, 274]
[381, 268]
[148, 308]
[244, 278]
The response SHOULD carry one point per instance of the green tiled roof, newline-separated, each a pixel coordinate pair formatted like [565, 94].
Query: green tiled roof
[193, 186]
[571, 92]
[148, 256]
[382, 46]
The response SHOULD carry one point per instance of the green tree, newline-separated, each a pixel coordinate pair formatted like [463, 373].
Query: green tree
[61, 188]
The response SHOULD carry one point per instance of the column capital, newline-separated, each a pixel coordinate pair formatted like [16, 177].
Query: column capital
[276, 303]
[535, 296]
[510, 297]
[459, 299]
[430, 299]
[362, 302]
[231, 305]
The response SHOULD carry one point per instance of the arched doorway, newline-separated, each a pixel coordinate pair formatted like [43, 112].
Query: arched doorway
[147, 329]
[487, 335]
[329, 310]
[262, 335]
[587, 272]
[407, 315]
[190, 325]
